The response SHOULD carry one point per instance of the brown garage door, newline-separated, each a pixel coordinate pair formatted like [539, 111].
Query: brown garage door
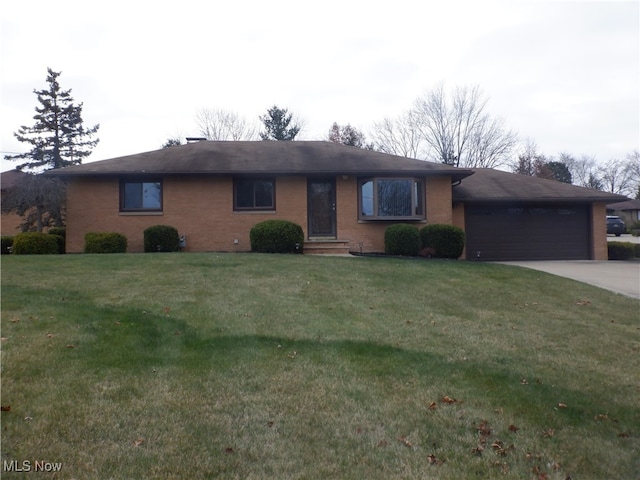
[527, 232]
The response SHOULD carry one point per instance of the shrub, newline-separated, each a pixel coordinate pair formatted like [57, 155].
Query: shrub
[35, 243]
[621, 250]
[402, 239]
[6, 244]
[276, 236]
[105, 242]
[445, 241]
[61, 233]
[161, 238]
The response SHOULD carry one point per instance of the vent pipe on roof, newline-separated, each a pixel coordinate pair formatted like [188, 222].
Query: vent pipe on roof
[195, 139]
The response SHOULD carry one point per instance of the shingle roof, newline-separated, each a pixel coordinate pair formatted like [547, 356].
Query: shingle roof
[489, 185]
[262, 157]
[626, 205]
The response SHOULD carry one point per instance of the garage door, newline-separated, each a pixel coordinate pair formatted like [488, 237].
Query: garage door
[527, 232]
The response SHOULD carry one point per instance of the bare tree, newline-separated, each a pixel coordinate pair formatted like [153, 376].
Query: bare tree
[399, 136]
[218, 124]
[584, 170]
[614, 177]
[459, 131]
[633, 173]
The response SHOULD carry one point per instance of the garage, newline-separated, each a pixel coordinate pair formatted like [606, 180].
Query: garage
[527, 232]
[507, 216]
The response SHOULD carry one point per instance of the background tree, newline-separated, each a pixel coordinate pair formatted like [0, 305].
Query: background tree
[348, 135]
[276, 123]
[172, 142]
[559, 171]
[58, 138]
[398, 136]
[614, 177]
[218, 124]
[39, 200]
[459, 131]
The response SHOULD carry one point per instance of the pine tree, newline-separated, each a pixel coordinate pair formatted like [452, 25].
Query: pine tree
[276, 124]
[58, 137]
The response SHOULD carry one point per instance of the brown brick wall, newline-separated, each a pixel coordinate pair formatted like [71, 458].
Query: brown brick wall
[202, 209]
[599, 231]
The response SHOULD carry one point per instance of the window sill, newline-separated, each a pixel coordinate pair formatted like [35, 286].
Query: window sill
[392, 219]
[253, 212]
[138, 214]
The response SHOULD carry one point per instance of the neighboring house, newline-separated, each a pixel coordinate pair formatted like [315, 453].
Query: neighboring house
[343, 197]
[10, 223]
[628, 211]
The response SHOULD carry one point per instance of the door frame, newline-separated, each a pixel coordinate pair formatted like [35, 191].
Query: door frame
[332, 206]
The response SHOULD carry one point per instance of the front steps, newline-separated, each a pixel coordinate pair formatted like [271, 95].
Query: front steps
[326, 247]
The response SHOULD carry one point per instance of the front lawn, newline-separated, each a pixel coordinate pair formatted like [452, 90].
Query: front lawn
[175, 366]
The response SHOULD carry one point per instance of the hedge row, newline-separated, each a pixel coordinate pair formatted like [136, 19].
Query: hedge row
[623, 250]
[437, 240]
[276, 236]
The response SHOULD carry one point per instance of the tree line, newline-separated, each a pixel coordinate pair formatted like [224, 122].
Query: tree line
[449, 126]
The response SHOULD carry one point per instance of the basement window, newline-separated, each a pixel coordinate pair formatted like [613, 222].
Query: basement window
[391, 199]
[141, 195]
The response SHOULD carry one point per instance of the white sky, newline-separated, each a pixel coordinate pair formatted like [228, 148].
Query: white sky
[565, 74]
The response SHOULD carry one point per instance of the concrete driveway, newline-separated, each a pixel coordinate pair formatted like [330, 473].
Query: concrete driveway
[617, 276]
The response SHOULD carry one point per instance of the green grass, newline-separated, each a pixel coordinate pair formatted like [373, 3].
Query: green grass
[176, 366]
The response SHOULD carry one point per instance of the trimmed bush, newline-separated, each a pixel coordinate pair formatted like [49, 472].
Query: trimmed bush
[402, 239]
[161, 238]
[6, 244]
[445, 241]
[276, 236]
[622, 250]
[61, 233]
[105, 242]
[35, 243]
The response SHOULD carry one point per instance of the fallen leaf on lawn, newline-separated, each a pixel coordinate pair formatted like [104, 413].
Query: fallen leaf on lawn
[116, 323]
[229, 450]
[293, 354]
[601, 416]
[478, 450]
[549, 433]
[14, 320]
[405, 441]
[433, 406]
[383, 443]
[5, 408]
[433, 460]
[167, 310]
[524, 381]
[513, 428]
[555, 466]
[484, 428]
[177, 333]
[583, 302]
[624, 435]
[49, 335]
[71, 345]
[562, 405]
[2, 339]
[448, 399]
[138, 442]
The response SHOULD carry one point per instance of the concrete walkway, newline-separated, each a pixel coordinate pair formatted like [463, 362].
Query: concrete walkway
[617, 276]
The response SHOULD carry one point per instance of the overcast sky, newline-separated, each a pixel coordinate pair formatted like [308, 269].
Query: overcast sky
[564, 74]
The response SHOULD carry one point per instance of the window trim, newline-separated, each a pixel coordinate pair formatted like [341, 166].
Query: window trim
[254, 208]
[418, 199]
[142, 180]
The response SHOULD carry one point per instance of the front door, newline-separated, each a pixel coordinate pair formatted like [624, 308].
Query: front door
[321, 205]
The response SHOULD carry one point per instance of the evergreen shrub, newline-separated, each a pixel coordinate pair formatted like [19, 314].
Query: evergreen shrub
[622, 250]
[444, 241]
[161, 238]
[276, 236]
[6, 244]
[402, 239]
[35, 243]
[105, 242]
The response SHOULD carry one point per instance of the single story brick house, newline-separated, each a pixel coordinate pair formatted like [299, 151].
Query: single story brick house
[343, 197]
[628, 211]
